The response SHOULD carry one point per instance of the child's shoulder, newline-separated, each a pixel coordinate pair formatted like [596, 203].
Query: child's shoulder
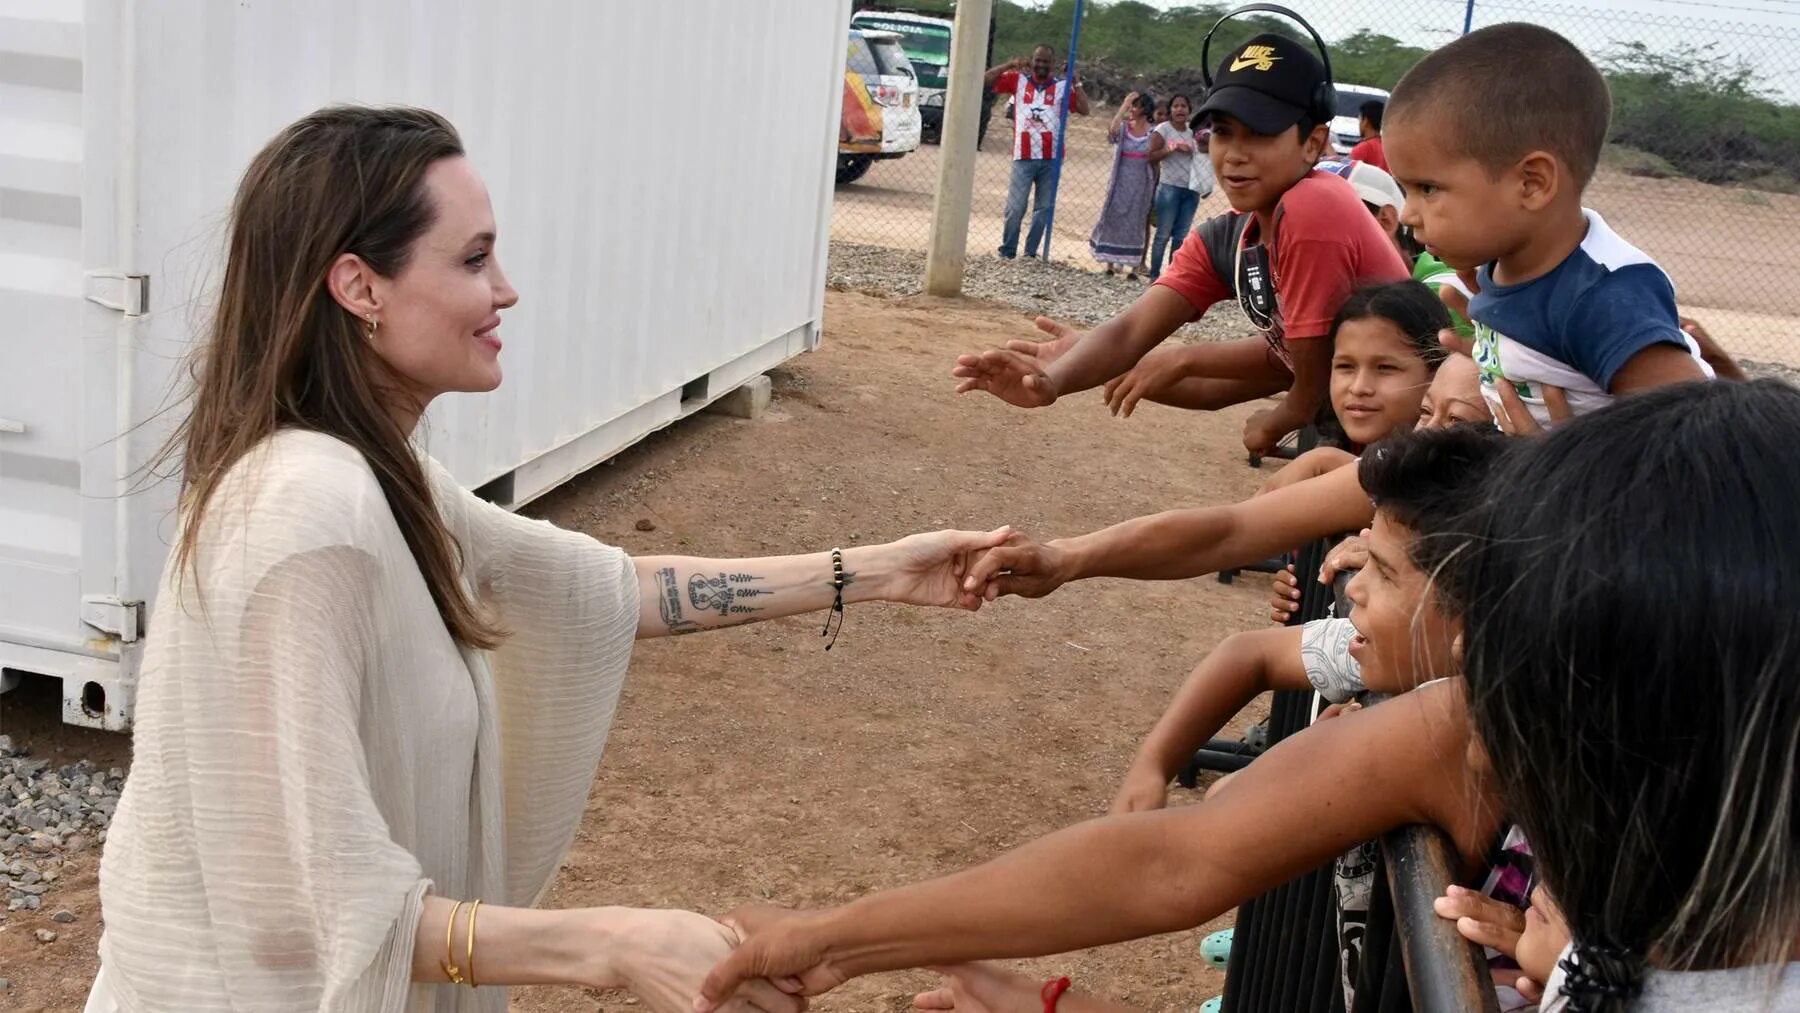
[1608, 287]
[1604, 269]
[1606, 248]
[1322, 193]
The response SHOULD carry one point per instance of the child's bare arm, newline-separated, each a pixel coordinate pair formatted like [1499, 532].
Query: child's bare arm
[1656, 366]
[1311, 464]
[1240, 668]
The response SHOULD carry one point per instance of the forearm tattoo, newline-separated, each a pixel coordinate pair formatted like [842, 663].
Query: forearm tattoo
[668, 602]
[725, 594]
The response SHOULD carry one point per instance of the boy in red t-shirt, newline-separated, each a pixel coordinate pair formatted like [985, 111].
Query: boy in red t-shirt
[1293, 247]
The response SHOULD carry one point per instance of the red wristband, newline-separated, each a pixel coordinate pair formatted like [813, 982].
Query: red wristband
[1053, 990]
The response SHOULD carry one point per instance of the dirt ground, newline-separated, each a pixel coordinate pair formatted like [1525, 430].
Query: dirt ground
[751, 765]
[1732, 253]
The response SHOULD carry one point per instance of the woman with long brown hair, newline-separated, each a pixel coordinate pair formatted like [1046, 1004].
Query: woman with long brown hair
[372, 704]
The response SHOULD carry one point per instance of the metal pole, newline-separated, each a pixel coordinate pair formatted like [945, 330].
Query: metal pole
[1062, 129]
[947, 253]
[1469, 17]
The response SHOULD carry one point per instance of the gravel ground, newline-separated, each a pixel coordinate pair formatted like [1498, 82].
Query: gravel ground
[1777, 370]
[1031, 286]
[46, 814]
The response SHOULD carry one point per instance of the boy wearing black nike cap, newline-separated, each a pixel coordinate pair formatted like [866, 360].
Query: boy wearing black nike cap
[1293, 247]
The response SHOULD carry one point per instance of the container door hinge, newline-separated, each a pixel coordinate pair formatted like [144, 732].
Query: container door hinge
[127, 293]
[122, 619]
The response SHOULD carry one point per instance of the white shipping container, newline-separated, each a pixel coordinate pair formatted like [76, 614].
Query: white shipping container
[661, 172]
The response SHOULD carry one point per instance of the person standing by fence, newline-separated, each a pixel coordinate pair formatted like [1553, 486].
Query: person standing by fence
[1037, 125]
[1118, 237]
[1369, 149]
[1177, 198]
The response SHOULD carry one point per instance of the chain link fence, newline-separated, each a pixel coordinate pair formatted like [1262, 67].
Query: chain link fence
[1703, 172]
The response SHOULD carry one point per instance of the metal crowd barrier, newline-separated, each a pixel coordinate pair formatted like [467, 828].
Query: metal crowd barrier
[1285, 949]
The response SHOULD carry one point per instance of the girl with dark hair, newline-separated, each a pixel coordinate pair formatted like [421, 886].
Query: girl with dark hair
[1384, 354]
[1119, 236]
[372, 704]
[1661, 810]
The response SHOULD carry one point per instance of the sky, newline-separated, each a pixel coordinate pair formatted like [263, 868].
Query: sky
[1765, 33]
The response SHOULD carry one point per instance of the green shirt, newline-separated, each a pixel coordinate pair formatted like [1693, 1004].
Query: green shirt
[1437, 274]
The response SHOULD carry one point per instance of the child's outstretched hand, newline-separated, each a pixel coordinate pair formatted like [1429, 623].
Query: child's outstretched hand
[981, 988]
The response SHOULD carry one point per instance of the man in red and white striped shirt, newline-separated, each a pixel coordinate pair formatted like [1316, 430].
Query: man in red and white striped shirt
[1037, 120]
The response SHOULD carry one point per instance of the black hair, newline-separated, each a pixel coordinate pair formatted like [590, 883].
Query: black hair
[1409, 305]
[1482, 105]
[1632, 652]
[1044, 45]
[1146, 105]
[1372, 111]
[1428, 480]
[1183, 96]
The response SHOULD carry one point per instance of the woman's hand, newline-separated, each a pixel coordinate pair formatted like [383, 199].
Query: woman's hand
[1019, 566]
[775, 944]
[662, 956]
[931, 568]
[982, 988]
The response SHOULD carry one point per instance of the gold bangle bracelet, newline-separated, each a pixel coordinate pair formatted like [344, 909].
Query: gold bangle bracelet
[451, 971]
[469, 948]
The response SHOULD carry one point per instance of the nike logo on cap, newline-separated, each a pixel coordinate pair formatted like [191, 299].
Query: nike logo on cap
[1260, 57]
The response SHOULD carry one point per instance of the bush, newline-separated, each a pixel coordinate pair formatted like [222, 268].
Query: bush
[1705, 114]
[1633, 162]
[1695, 113]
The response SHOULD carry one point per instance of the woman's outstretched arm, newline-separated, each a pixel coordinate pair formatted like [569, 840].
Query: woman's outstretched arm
[686, 594]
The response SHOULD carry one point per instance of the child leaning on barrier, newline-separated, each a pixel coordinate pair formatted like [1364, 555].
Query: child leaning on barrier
[1494, 163]
[1398, 635]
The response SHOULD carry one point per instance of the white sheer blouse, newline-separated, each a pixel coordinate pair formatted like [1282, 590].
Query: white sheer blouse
[313, 753]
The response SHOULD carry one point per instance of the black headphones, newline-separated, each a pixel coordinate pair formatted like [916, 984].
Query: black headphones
[1324, 97]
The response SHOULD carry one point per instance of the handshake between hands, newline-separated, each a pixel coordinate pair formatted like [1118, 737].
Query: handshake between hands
[1019, 565]
[763, 959]
[788, 953]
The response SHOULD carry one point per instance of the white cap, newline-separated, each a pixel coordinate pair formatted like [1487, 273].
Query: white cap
[1372, 184]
